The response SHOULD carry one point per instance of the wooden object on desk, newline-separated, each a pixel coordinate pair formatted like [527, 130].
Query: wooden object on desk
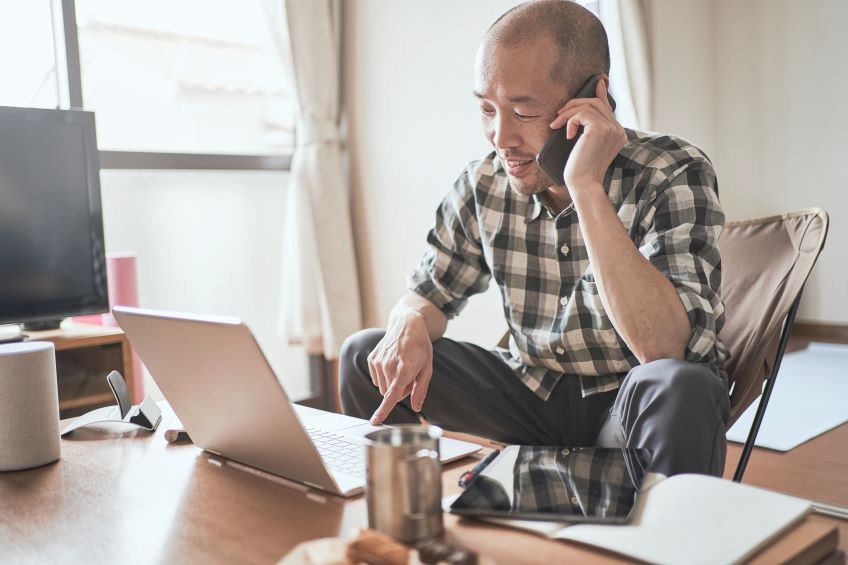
[808, 542]
[120, 491]
[85, 354]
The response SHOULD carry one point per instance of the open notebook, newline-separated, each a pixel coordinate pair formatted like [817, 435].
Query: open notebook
[687, 519]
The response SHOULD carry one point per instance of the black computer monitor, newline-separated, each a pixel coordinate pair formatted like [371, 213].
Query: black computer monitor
[52, 260]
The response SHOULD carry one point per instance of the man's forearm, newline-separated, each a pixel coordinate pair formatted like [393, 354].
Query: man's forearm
[413, 305]
[641, 302]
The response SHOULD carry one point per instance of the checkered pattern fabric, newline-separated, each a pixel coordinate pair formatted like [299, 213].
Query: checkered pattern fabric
[665, 193]
[578, 481]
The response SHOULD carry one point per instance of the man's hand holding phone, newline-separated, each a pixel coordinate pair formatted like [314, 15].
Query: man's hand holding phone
[602, 138]
[402, 364]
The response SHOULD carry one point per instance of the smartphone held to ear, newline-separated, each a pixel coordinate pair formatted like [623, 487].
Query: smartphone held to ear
[554, 154]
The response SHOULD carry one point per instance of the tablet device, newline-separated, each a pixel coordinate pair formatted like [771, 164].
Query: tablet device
[558, 484]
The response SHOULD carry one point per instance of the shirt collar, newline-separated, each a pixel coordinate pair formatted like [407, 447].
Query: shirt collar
[497, 166]
[535, 208]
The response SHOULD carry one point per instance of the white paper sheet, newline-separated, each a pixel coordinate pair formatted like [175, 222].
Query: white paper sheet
[809, 398]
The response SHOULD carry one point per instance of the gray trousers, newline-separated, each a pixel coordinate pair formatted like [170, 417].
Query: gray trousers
[676, 409]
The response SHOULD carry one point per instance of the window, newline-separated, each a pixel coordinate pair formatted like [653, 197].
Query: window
[186, 84]
[27, 57]
[195, 129]
[193, 76]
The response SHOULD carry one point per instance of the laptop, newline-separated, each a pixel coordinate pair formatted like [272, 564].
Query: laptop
[222, 388]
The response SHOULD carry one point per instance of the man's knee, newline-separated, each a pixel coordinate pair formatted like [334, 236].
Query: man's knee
[353, 358]
[682, 384]
[679, 410]
[361, 343]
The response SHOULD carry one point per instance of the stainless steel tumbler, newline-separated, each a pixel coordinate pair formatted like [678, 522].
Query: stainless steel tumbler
[404, 491]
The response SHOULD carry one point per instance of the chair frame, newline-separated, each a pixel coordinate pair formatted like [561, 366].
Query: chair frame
[766, 395]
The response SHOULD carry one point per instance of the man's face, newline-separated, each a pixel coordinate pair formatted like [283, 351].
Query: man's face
[518, 100]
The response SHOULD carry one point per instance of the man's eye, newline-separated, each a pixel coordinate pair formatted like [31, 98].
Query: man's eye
[524, 116]
[487, 111]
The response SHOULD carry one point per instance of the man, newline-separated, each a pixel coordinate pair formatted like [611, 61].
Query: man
[609, 283]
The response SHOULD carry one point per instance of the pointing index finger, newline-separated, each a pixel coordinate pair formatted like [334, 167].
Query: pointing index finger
[380, 414]
[391, 398]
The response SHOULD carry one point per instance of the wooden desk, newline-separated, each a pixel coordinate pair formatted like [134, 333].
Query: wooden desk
[132, 497]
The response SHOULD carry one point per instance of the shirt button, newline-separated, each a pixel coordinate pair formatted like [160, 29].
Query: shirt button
[563, 300]
[560, 350]
[564, 249]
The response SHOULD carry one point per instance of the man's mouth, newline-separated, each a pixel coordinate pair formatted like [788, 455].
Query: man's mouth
[518, 167]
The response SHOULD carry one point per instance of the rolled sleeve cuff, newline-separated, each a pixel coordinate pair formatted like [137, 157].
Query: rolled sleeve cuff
[702, 344]
[425, 286]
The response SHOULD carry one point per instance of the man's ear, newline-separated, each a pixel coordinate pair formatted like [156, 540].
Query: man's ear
[603, 77]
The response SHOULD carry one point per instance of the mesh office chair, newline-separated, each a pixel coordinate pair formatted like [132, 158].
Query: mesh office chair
[765, 263]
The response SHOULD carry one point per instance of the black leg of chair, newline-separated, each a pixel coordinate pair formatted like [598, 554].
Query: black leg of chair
[761, 409]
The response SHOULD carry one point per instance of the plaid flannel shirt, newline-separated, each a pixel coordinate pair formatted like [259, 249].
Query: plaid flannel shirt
[665, 193]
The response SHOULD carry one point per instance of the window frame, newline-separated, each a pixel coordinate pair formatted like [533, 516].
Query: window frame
[70, 96]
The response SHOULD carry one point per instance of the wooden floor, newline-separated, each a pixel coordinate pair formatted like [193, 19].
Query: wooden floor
[817, 469]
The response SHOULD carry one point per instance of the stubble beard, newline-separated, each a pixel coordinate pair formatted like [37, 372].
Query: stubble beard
[531, 184]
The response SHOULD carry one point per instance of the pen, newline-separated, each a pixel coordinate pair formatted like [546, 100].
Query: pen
[467, 477]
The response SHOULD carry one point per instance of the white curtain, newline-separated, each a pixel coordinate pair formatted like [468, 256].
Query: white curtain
[631, 78]
[320, 304]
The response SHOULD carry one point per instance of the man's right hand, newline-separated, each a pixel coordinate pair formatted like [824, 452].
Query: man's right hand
[402, 363]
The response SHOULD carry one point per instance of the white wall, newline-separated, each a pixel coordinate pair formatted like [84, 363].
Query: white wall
[759, 85]
[409, 70]
[207, 242]
[782, 124]
[682, 49]
[762, 86]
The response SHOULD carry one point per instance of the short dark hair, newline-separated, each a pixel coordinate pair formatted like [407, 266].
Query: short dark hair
[579, 34]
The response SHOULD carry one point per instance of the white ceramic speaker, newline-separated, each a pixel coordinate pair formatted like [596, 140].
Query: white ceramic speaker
[29, 405]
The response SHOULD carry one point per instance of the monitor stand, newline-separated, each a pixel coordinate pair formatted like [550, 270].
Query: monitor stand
[11, 334]
[41, 325]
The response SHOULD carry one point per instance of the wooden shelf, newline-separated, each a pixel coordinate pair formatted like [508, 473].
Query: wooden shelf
[85, 354]
[78, 335]
[87, 401]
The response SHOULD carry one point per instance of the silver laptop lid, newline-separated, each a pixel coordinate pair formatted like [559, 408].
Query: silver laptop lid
[221, 386]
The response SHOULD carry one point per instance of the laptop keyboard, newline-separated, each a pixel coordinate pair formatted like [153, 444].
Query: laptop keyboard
[339, 453]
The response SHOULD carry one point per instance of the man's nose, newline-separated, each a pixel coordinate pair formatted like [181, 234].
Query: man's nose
[504, 135]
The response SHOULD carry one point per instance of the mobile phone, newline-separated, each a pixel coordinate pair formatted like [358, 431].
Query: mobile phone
[554, 154]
